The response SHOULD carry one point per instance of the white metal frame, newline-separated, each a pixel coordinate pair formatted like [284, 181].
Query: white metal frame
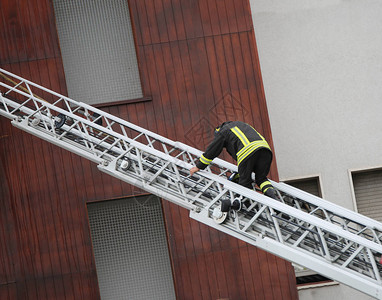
[307, 230]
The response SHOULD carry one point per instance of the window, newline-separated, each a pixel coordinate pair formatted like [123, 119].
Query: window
[130, 249]
[98, 50]
[368, 193]
[310, 185]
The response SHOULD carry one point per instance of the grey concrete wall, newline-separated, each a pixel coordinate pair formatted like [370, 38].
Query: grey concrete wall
[321, 63]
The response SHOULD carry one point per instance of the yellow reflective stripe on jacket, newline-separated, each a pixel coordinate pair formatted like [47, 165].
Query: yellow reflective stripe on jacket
[266, 184]
[236, 130]
[249, 147]
[205, 160]
[247, 150]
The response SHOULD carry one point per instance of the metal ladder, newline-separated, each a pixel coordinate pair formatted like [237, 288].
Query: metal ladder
[301, 228]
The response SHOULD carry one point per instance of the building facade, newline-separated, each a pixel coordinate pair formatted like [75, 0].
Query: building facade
[321, 62]
[177, 68]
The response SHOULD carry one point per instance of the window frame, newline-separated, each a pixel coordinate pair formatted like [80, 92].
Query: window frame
[145, 96]
[352, 189]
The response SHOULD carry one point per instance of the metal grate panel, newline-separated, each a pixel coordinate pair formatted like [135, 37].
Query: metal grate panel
[130, 249]
[98, 50]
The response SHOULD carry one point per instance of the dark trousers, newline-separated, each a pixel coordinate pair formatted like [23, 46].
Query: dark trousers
[259, 163]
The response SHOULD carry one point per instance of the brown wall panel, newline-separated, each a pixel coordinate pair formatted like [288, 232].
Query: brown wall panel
[46, 249]
[198, 62]
[44, 227]
[28, 31]
[209, 73]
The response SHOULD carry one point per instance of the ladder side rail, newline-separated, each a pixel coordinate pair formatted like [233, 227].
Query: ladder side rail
[277, 205]
[83, 105]
[182, 203]
[321, 225]
[23, 123]
[284, 251]
[8, 107]
[179, 162]
[75, 106]
[132, 126]
[329, 206]
[83, 123]
[302, 258]
[164, 193]
[90, 154]
[337, 209]
[136, 181]
[240, 233]
[219, 162]
[291, 211]
[272, 204]
[319, 202]
[294, 213]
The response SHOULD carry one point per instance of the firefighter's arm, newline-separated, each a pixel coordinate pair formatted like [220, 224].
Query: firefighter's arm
[212, 151]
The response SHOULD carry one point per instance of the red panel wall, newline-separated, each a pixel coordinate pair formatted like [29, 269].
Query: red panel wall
[199, 64]
[45, 246]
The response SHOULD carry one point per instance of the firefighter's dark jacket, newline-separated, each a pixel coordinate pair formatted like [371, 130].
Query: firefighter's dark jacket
[240, 140]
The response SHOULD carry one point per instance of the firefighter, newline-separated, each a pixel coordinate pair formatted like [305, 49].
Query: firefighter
[248, 148]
